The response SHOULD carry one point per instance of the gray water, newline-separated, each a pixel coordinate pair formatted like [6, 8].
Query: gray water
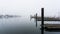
[22, 25]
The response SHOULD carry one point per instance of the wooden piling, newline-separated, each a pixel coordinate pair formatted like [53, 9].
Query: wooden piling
[42, 22]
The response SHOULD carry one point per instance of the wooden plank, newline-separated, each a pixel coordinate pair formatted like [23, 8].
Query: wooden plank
[52, 25]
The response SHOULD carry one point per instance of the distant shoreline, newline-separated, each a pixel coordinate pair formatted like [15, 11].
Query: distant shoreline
[8, 16]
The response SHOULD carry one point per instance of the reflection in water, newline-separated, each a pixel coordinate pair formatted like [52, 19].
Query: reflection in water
[36, 23]
[21, 25]
[35, 19]
[49, 30]
[18, 26]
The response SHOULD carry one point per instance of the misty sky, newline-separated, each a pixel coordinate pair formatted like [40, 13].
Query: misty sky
[29, 7]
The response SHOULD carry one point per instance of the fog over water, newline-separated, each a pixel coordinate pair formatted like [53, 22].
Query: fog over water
[29, 7]
[25, 8]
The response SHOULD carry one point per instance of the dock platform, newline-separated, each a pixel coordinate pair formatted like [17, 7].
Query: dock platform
[46, 18]
[50, 27]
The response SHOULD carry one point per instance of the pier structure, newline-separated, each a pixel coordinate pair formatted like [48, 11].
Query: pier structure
[46, 18]
[47, 26]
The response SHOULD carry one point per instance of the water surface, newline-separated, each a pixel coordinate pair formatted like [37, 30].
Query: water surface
[22, 25]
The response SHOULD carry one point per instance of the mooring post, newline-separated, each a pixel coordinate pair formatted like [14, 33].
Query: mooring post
[42, 20]
[36, 16]
[36, 19]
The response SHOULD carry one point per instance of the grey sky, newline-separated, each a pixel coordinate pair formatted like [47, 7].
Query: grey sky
[27, 7]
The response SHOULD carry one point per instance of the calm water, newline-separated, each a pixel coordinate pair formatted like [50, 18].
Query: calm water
[22, 25]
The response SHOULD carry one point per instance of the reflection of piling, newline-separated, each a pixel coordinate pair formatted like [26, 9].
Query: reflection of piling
[30, 17]
[36, 24]
[42, 22]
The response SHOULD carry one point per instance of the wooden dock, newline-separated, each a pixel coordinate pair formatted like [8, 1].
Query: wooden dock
[52, 27]
[46, 18]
